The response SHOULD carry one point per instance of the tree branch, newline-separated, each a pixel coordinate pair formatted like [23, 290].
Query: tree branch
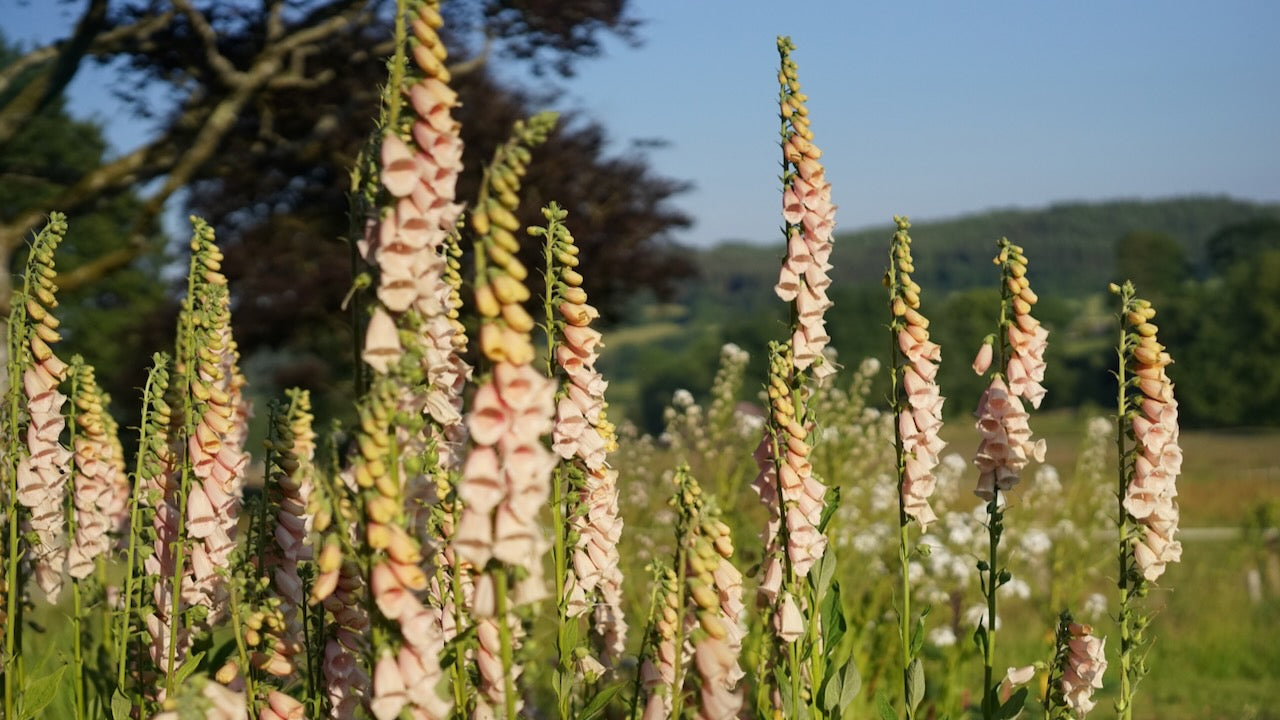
[50, 83]
[104, 44]
[142, 164]
[221, 66]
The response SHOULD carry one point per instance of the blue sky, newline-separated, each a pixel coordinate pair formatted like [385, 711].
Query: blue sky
[930, 108]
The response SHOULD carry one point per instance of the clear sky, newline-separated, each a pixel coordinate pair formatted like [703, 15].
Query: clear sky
[930, 108]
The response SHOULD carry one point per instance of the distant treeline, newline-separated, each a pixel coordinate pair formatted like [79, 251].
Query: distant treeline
[1211, 265]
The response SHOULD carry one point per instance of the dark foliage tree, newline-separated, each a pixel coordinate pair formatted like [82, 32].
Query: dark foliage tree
[270, 103]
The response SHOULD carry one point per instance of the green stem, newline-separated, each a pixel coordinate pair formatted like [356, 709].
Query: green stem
[178, 551]
[77, 650]
[990, 702]
[504, 640]
[649, 631]
[682, 572]
[12, 638]
[135, 524]
[565, 700]
[72, 527]
[396, 81]
[237, 627]
[1124, 704]
[904, 550]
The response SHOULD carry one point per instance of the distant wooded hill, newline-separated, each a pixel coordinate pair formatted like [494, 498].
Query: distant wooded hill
[1072, 246]
[1211, 266]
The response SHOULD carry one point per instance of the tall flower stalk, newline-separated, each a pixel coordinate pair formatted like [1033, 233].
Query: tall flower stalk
[699, 616]
[584, 487]
[917, 405]
[1006, 446]
[196, 520]
[1075, 672]
[94, 507]
[794, 497]
[36, 471]
[506, 480]
[1150, 460]
[153, 464]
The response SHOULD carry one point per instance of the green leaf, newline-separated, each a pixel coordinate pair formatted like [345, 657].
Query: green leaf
[850, 685]
[121, 708]
[915, 684]
[828, 510]
[600, 702]
[191, 665]
[832, 615]
[831, 695]
[783, 683]
[1013, 707]
[917, 636]
[39, 692]
[826, 572]
[884, 707]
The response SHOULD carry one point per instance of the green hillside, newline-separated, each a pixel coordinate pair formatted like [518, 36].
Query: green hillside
[1075, 239]
[1208, 263]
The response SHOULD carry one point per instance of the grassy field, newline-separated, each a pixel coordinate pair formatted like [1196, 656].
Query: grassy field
[1214, 655]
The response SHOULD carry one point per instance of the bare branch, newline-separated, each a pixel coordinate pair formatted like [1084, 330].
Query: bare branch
[220, 120]
[105, 43]
[275, 19]
[221, 66]
[142, 164]
[100, 267]
[50, 83]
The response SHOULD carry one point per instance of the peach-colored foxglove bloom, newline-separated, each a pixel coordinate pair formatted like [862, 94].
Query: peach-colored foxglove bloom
[782, 458]
[506, 478]
[1149, 497]
[287, 546]
[101, 485]
[216, 448]
[583, 433]
[658, 671]
[1028, 339]
[1006, 446]
[919, 402]
[282, 707]
[43, 473]
[407, 672]
[810, 219]
[1085, 663]
[408, 242]
[717, 641]
[1015, 677]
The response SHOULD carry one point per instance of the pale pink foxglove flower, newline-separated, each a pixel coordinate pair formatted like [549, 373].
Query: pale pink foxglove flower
[1028, 339]
[98, 478]
[282, 707]
[789, 621]
[1015, 677]
[1085, 664]
[1006, 446]
[715, 585]
[787, 468]
[809, 215]
[920, 416]
[43, 473]
[1149, 496]
[583, 434]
